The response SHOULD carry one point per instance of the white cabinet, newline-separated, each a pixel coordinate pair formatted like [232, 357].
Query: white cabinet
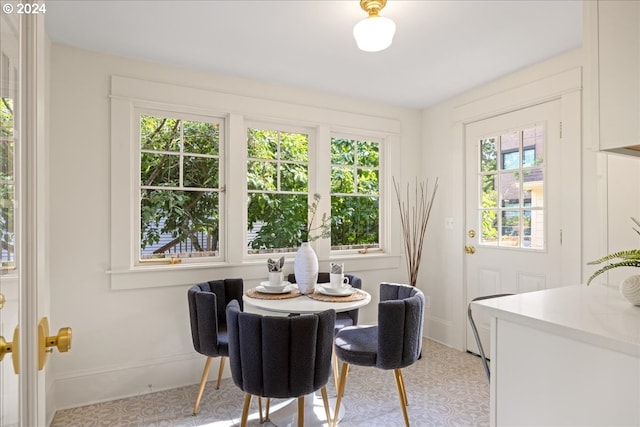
[612, 42]
[564, 356]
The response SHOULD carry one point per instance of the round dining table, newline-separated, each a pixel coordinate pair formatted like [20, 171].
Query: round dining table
[304, 304]
[284, 412]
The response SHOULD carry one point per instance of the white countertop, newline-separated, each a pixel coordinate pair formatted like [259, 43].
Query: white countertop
[595, 314]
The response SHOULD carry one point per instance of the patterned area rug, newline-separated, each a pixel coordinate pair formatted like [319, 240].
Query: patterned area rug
[445, 388]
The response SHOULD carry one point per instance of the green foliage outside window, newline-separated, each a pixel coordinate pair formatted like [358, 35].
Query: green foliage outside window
[179, 181]
[7, 193]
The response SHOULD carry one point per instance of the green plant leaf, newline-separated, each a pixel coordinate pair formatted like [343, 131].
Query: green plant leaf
[626, 263]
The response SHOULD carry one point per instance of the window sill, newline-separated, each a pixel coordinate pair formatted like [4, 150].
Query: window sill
[157, 276]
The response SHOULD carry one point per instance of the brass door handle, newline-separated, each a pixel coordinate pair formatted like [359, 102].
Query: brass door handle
[11, 347]
[2, 300]
[62, 341]
[470, 250]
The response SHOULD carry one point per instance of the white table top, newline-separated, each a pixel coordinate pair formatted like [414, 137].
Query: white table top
[304, 305]
[594, 314]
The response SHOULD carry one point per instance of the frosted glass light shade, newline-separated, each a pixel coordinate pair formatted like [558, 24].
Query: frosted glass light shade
[374, 33]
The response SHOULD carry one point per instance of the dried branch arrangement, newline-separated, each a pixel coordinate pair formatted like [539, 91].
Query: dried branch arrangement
[414, 216]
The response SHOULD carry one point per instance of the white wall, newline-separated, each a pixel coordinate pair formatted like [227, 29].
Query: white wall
[443, 156]
[127, 340]
[130, 342]
[608, 194]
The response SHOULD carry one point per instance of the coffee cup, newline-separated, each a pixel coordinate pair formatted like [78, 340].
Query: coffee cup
[275, 278]
[338, 281]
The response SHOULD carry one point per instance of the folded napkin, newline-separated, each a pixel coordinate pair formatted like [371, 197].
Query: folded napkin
[275, 266]
[337, 268]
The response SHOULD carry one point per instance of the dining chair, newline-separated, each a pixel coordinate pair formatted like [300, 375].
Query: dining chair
[394, 343]
[207, 305]
[483, 357]
[346, 318]
[280, 357]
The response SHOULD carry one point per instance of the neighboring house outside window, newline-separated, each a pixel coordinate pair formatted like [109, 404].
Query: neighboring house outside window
[512, 205]
[355, 194]
[180, 187]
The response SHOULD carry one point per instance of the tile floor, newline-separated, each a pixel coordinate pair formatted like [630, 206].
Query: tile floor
[445, 388]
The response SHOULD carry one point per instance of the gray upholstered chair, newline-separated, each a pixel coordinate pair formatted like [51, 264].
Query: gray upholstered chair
[394, 343]
[346, 318]
[280, 357]
[207, 304]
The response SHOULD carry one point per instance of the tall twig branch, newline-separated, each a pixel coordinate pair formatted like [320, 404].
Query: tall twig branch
[414, 218]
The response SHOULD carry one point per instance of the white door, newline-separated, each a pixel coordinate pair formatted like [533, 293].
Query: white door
[22, 400]
[9, 269]
[512, 235]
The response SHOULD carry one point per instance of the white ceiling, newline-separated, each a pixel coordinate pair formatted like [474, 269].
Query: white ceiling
[441, 48]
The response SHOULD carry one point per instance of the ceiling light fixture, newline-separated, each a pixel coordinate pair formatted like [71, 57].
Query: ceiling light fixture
[375, 33]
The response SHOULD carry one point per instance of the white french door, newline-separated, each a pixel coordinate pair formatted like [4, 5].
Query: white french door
[513, 206]
[22, 400]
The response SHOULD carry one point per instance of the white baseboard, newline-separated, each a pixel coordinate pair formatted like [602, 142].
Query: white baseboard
[141, 377]
[439, 330]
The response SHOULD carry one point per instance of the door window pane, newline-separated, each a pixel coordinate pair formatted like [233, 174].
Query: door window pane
[512, 190]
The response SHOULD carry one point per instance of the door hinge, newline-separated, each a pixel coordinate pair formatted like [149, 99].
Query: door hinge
[561, 236]
[560, 130]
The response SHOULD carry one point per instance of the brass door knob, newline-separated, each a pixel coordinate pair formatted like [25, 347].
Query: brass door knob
[2, 300]
[62, 341]
[470, 250]
[11, 347]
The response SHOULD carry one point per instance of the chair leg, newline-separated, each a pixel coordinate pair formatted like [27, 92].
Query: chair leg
[402, 394]
[404, 389]
[203, 381]
[301, 411]
[220, 369]
[245, 410]
[266, 418]
[325, 400]
[336, 375]
[260, 409]
[340, 391]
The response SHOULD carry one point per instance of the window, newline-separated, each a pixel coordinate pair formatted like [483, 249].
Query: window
[180, 187]
[355, 194]
[277, 189]
[7, 183]
[512, 203]
[218, 181]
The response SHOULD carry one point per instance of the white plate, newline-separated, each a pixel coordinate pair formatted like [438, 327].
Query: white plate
[343, 292]
[267, 289]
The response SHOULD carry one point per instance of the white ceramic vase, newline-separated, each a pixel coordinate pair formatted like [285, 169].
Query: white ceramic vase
[630, 289]
[305, 267]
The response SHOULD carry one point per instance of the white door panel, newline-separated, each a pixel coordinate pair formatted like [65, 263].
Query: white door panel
[513, 206]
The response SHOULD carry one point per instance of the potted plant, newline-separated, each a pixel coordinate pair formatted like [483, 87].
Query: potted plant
[630, 287]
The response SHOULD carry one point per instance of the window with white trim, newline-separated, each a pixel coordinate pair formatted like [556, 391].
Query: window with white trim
[180, 186]
[277, 188]
[355, 194]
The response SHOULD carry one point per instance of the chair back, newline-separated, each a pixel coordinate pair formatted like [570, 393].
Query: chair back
[400, 323]
[354, 281]
[207, 304]
[279, 357]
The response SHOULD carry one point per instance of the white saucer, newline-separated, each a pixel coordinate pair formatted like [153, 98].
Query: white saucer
[268, 289]
[342, 292]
